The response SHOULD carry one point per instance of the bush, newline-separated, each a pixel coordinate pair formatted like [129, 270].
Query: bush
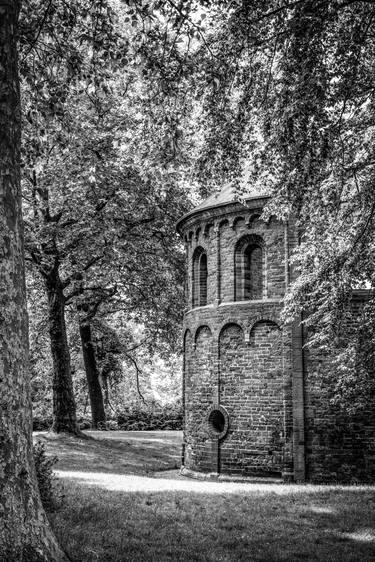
[46, 479]
[165, 418]
[42, 423]
[84, 423]
[155, 417]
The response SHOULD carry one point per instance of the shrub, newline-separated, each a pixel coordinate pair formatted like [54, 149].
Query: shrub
[84, 423]
[164, 418]
[41, 423]
[46, 479]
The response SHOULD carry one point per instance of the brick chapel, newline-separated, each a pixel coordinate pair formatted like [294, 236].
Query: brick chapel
[255, 401]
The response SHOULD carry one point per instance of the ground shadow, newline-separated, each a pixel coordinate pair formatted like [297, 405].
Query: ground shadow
[119, 506]
[256, 524]
[115, 452]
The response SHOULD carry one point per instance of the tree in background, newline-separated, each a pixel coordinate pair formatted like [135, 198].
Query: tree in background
[25, 534]
[286, 106]
[99, 204]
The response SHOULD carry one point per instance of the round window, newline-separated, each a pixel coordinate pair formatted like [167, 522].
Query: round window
[218, 422]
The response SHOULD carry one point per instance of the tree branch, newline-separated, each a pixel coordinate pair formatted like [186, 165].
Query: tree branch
[137, 373]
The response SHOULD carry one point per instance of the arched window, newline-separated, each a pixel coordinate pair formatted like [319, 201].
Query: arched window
[249, 268]
[199, 277]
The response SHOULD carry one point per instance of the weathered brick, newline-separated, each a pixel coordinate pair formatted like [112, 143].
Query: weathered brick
[239, 357]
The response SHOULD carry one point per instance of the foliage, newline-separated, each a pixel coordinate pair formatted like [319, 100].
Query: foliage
[286, 107]
[46, 480]
[354, 367]
[167, 417]
[120, 347]
[94, 204]
[101, 195]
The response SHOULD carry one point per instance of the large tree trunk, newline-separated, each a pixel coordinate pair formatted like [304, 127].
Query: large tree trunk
[25, 534]
[64, 408]
[92, 375]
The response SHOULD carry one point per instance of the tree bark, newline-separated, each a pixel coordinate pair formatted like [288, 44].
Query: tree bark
[25, 534]
[64, 407]
[92, 375]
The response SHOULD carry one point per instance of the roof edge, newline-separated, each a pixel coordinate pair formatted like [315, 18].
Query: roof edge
[218, 205]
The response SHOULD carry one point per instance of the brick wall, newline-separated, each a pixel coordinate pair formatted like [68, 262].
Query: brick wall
[199, 389]
[251, 389]
[277, 395]
[339, 446]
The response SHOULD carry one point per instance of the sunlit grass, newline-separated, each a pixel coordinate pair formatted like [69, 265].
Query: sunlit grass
[142, 515]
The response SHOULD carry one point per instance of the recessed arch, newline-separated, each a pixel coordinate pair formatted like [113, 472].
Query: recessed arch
[252, 218]
[200, 274]
[249, 268]
[187, 337]
[260, 321]
[200, 330]
[207, 228]
[238, 220]
[231, 325]
[267, 332]
[223, 222]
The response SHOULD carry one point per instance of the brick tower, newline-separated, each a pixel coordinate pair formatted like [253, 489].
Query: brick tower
[251, 393]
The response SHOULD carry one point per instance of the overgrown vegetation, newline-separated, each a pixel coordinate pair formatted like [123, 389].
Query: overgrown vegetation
[129, 110]
[159, 417]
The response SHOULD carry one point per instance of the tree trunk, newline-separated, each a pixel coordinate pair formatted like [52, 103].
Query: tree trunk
[25, 534]
[104, 384]
[92, 375]
[64, 408]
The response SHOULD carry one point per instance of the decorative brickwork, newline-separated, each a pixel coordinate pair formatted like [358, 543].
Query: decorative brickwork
[256, 403]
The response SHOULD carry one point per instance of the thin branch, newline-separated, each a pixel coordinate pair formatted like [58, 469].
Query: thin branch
[178, 9]
[135, 346]
[369, 219]
[278, 10]
[137, 373]
[44, 19]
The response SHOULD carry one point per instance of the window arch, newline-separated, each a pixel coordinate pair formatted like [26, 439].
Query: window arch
[200, 273]
[249, 268]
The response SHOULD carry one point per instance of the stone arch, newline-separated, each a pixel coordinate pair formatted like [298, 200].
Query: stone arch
[229, 321]
[199, 330]
[271, 335]
[207, 228]
[200, 276]
[249, 268]
[271, 317]
[223, 222]
[252, 218]
[269, 321]
[237, 220]
[186, 337]
[231, 335]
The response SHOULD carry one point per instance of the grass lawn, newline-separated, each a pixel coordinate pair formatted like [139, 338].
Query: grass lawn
[123, 504]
